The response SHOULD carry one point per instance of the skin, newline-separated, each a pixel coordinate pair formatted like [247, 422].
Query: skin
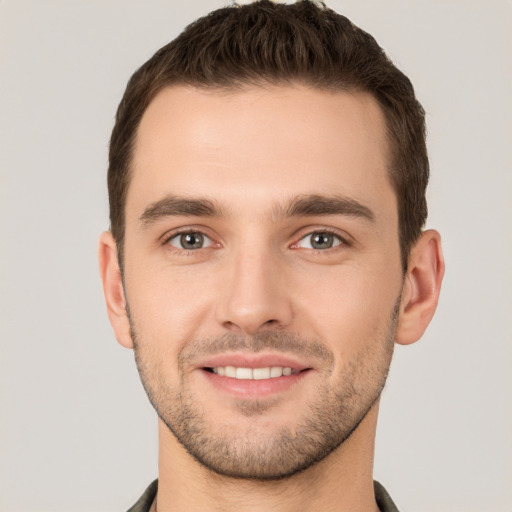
[253, 154]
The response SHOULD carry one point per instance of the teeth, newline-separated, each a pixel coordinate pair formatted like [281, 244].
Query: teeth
[243, 373]
[276, 371]
[261, 373]
[254, 373]
[230, 371]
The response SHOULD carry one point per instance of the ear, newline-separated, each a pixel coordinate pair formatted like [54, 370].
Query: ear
[113, 289]
[421, 288]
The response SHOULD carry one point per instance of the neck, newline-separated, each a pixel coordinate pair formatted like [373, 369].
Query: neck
[340, 482]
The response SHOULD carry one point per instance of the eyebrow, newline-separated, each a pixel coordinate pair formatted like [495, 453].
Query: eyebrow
[301, 206]
[174, 206]
[314, 204]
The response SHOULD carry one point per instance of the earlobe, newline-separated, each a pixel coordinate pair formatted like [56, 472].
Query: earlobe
[421, 288]
[113, 289]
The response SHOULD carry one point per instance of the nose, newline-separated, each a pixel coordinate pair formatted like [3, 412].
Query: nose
[256, 294]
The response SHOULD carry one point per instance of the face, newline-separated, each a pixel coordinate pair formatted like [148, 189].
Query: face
[262, 271]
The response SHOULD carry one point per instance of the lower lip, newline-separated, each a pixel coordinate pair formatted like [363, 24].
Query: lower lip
[251, 388]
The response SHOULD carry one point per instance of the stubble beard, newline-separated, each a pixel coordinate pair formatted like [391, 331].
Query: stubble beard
[325, 423]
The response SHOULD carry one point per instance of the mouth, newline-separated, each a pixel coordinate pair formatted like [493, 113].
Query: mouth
[244, 376]
[243, 373]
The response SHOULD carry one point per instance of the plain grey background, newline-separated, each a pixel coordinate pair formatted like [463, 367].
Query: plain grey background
[76, 430]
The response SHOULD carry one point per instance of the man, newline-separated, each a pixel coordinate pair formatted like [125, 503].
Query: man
[267, 195]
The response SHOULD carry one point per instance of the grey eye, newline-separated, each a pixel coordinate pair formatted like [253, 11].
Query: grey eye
[190, 241]
[320, 240]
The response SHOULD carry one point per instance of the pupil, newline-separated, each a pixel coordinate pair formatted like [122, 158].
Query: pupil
[191, 240]
[322, 241]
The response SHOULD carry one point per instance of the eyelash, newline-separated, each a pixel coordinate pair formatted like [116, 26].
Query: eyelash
[325, 231]
[190, 231]
[188, 252]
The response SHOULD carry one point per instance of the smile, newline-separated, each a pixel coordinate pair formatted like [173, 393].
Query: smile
[254, 373]
[245, 375]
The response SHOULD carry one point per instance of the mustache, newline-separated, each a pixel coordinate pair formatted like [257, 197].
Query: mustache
[280, 341]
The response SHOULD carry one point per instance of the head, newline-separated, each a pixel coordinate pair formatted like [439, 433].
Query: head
[267, 188]
[269, 43]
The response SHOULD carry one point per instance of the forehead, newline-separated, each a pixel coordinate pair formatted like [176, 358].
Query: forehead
[253, 146]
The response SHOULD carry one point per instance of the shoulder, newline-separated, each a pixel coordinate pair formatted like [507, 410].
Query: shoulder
[384, 501]
[145, 501]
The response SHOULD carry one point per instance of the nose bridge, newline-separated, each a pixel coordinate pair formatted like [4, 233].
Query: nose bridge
[255, 291]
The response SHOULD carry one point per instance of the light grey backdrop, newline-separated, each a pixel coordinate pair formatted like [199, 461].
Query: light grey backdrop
[76, 431]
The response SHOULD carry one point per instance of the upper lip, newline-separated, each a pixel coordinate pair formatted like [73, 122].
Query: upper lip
[252, 360]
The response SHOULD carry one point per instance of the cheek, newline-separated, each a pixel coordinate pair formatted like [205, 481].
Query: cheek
[167, 307]
[352, 310]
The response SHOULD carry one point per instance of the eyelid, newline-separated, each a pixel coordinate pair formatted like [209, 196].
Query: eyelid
[343, 238]
[169, 235]
[208, 241]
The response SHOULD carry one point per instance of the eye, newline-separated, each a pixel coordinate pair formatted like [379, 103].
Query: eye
[190, 241]
[320, 240]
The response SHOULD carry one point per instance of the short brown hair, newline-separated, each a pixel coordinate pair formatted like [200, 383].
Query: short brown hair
[266, 42]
